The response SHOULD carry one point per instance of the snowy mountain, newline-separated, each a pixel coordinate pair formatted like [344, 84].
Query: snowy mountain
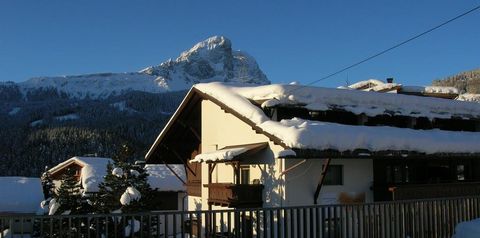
[207, 61]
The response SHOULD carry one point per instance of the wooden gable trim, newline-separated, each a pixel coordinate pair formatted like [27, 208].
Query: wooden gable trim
[169, 124]
[57, 169]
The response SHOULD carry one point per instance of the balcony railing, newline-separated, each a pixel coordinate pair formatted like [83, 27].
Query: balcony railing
[235, 195]
[411, 218]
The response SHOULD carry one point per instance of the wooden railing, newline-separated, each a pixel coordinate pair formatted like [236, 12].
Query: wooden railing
[439, 190]
[235, 195]
[414, 218]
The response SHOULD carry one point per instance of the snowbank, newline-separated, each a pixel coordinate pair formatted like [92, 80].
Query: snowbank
[161, 178]
[20, 194]
[467, 229]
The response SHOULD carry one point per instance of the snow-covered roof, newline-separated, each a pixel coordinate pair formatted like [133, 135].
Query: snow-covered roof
[20, 194]
[223, 154]
[469, 97]
[304, 134]
[162, 178]
[365, 84]
[93, 171]
[230, 153]
[299, 133]
[430, 89]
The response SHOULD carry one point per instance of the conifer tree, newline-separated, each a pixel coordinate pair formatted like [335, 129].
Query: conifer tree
[47, 184]
[68, 194]
[120, 176]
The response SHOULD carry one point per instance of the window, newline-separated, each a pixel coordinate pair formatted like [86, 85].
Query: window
[334, 175]
[244, 175]
[460, 172]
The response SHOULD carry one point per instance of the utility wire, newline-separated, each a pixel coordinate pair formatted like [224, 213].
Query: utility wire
[389, 49]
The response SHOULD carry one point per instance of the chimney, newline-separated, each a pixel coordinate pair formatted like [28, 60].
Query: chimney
[389, 80]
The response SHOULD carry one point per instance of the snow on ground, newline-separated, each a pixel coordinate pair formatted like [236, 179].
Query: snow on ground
[161, 178]
[304, 134]
[71, 116]
[122, 107]
[467, 229]
[20, 194]
[223, 154]
[14, 111]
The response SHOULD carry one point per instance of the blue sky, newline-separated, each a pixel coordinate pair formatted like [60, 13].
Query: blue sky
[291, 40]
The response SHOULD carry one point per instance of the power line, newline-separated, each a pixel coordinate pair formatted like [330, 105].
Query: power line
[391, 48]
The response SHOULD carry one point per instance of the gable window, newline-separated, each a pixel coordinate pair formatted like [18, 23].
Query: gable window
[334, 175]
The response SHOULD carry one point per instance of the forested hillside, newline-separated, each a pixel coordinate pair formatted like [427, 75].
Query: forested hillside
[46, 127]
[466, 82]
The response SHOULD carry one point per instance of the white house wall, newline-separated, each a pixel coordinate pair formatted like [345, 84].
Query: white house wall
[220, 129]
[302, 181]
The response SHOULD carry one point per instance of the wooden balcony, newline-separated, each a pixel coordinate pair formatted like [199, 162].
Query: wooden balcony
[235, 196]
[438, 190]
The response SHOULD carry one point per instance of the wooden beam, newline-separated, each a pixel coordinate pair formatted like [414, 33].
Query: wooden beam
[326, 164]
[180, 158]
[195, 133]
[175, 173]
[293, 167]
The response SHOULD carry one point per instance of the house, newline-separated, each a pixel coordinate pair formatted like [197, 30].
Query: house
[375, 85]
[19, 196]
[90, 172]
[287, 145]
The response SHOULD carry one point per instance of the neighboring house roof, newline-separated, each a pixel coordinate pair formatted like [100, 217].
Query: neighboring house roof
[93, 171]
[431, 91]
[20, 195]
[373, 85]
[243, 102]
[469, 97]
[163, 179]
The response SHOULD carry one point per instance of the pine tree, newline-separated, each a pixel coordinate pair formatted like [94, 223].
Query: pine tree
[69, 196]
[47, 184]
[120, 176]
[123, 177]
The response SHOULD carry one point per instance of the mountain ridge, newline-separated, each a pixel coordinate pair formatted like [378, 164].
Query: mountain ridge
[210, 60]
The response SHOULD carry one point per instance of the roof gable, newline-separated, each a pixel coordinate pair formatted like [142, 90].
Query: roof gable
[243, 102]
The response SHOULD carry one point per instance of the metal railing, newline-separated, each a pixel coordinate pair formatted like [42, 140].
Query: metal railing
[415, 218]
